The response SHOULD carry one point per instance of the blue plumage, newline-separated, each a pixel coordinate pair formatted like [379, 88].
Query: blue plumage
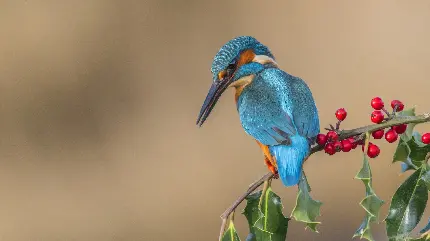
[276, 103]
[275, 108]
[290, 159]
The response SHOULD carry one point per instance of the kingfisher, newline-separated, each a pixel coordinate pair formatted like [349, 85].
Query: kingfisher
[276, 108]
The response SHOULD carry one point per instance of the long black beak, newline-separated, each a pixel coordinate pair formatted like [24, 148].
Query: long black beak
[215, 92]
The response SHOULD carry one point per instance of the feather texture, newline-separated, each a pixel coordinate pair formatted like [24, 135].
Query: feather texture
[231, 51]
[278, 110]
[289, 159]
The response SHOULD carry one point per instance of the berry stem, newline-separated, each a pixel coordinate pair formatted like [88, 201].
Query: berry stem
[338, 125]
[395, 109]
[387, 113]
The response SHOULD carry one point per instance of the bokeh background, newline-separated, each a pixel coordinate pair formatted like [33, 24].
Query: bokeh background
[98, 102]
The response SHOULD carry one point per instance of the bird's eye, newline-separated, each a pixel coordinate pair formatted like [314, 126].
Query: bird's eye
[230, 69]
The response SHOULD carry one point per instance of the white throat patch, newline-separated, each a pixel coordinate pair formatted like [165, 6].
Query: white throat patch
[264, 59]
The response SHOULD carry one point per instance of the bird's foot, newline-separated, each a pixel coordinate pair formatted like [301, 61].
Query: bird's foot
[271, 168]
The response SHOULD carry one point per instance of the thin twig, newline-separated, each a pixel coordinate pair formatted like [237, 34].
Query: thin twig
[358, 133]
[223, 224]
[338, 125]
[386, 112]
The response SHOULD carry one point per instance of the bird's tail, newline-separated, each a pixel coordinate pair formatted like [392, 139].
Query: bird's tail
[289, 159]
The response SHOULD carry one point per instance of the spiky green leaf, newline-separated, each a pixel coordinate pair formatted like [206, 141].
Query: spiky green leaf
[265, 218]
[410, 150]
[407, 206]
[230, 234]
[371, 203]
[271, 209]
[402, 152]
[364, 230]
[307, 209]
[412, 153]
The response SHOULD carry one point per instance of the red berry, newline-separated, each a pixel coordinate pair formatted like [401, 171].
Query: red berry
[321, 139]
[329, 149]
[377, 103]
[399, 104]
[332, 136]
[353, 142]
[391, 136]
[373, 151]
[400, 129]
[337, 146]
[346, 145]
[377, 116]
[362, 146]
[378, 134]
[341, 114]
[426, 138]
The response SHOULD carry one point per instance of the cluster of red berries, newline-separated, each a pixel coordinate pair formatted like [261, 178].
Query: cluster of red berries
[331, 142]
[378, 116]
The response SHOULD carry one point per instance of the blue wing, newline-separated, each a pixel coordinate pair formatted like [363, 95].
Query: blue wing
[277, 105]
[304, 110]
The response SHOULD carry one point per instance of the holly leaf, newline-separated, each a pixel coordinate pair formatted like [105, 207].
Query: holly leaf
[402, 152]
[265, 219]
[364, 230]
[371, 203]
[230, 234]
[306, 209]
[407, 206]
[412, 152]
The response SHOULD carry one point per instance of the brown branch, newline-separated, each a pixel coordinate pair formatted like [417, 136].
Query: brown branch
[344, 134]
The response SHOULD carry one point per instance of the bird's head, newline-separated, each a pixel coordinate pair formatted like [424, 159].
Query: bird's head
[240, 57]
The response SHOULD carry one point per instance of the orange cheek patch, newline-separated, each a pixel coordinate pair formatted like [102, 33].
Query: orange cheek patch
[246, 57]
[221, 74]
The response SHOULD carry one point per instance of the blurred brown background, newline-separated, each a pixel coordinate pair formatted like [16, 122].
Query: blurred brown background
[98, 101]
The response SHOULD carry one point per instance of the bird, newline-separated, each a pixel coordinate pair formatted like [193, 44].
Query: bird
[276, 108]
